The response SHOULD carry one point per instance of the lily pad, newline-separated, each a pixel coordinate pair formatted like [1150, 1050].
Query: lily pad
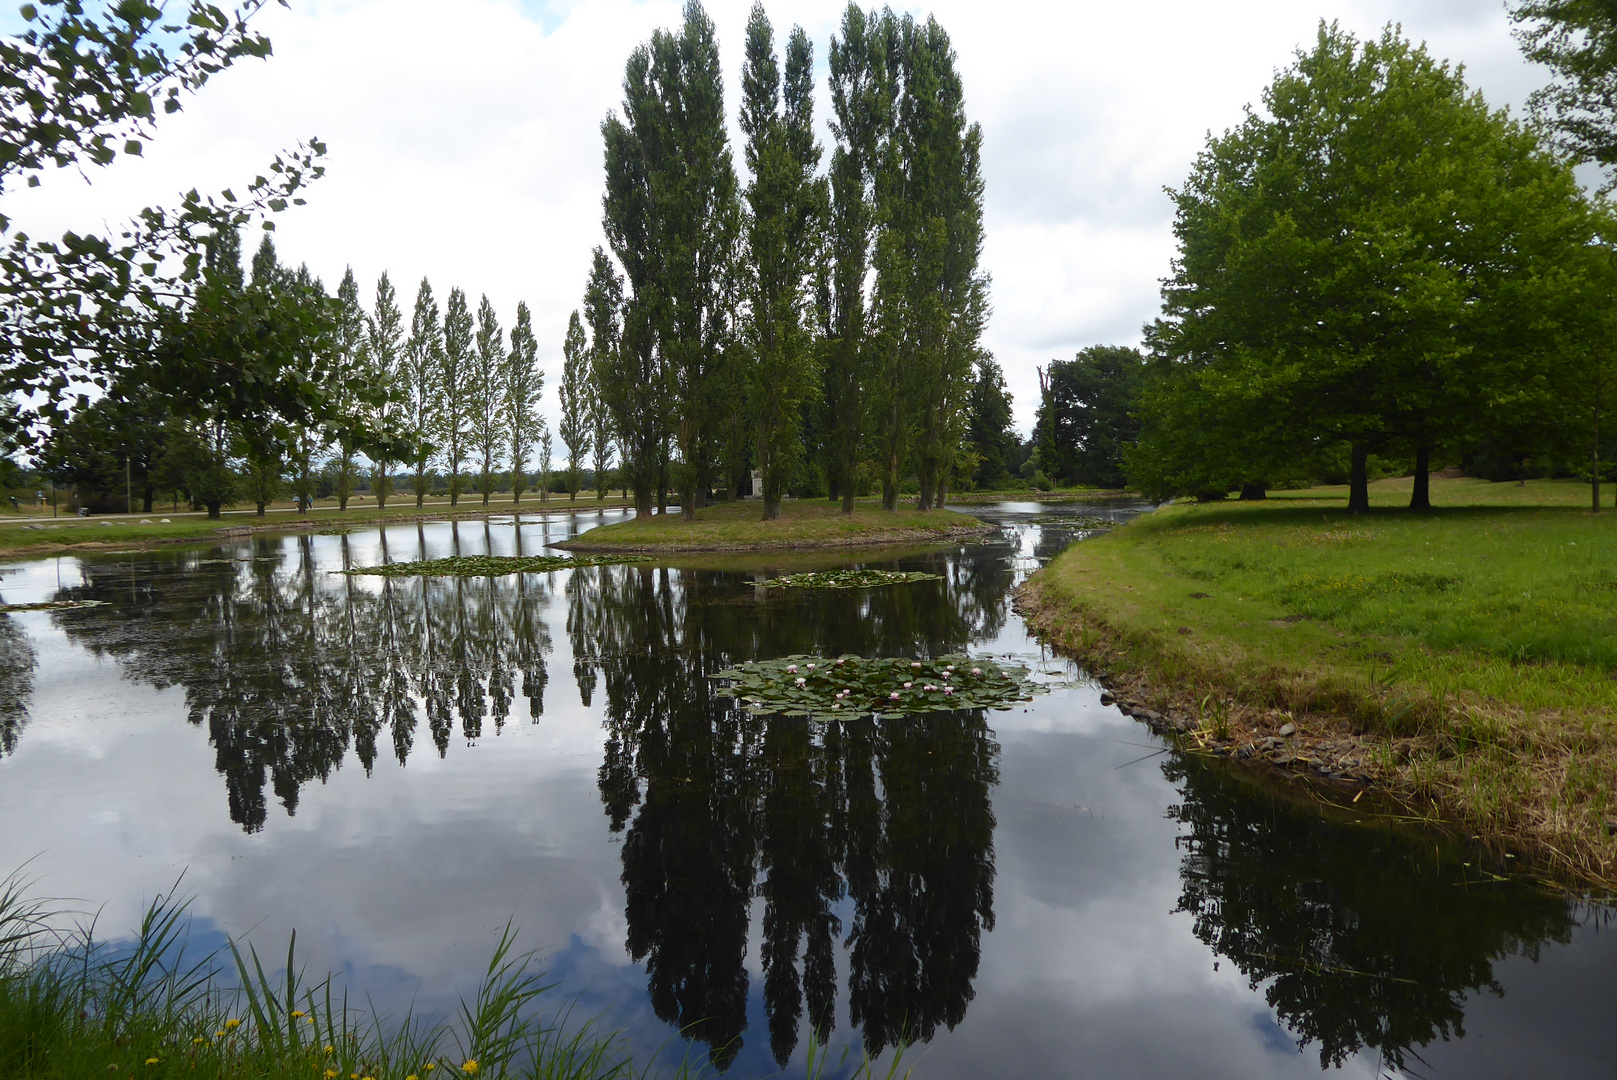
[493, 565]
[848, 579]
[854, 685]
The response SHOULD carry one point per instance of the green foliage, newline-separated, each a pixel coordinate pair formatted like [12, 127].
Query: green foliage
[988, 426]
[574, 427]
[455, 386]
[897, 686]
[77, 89]
[1577, 41]
[1376, 259]
[1087, 421]
[420, 374]
[522, 382]
[384, 372]
[848, 579]
[493, 565]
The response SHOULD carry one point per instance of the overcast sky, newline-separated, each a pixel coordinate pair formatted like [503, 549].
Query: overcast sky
[464, 139]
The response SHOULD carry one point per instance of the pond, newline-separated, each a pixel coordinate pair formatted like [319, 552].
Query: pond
[397, 767]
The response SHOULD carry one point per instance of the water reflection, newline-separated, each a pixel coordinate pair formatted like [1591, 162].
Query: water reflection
[288, 666]
[16, 681]
[1358, 938]
[717, 807]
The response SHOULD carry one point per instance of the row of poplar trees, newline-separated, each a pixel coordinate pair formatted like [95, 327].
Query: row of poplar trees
[719, 318]
[449, 390]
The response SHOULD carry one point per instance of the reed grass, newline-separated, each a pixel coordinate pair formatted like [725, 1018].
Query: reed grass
[72, 1006]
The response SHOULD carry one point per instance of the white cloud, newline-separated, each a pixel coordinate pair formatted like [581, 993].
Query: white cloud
[465, 147]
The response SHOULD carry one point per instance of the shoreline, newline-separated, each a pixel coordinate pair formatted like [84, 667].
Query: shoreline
[1321, 753]
[322, 526]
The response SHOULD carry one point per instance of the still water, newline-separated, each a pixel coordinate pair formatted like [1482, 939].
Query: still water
[398, 767]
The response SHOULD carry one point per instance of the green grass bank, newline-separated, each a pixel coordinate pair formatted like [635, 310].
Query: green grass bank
[738, 526]
[1462, 661]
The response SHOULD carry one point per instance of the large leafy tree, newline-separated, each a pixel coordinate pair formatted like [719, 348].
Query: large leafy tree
[1370, 261]
[484, 396]
[523, 381]
[1086, 422]
[423, 364]
[989, 432]
[352, 360]
[863, 91]
[574, 425]
[623, 360]
[454, 384]
[77, 89]
[785, 203]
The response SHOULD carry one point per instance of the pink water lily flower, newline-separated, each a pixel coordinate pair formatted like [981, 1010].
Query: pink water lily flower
[915, 664]
[976, 671]
[811, 667]
[800, 682]
[791, 669]
[908, 685]
[929, 688]
[840, 662]
[893, 696]
[948, 689]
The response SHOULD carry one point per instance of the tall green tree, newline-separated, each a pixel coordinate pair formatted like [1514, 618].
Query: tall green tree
[671, 214]
[454, 386]
[574, 425]
[989, 429]
[423, 394]
[484, 396]
[783, 232]
[546, 449]
[309, 437]
[524, 382]
[1370, 261]
[863, 99]
[352, 359]
[625, 370]
[386, 375]
[932, 298]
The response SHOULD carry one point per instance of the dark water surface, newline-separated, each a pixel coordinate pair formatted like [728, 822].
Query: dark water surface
[396, 767]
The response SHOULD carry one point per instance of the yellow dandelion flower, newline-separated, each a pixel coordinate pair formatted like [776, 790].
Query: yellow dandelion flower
[412, 1076]
[431, 1065]
[329, 1049]
[151, 1061]
[198, 1041]
[331, 1074]
[469, 1067]
[296, 1013]
[310, 1020]
[219, 1034]
[232, 1024]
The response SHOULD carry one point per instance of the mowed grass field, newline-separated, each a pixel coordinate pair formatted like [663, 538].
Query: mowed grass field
[1476, 645]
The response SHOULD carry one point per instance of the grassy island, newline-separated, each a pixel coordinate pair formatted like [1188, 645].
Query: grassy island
[737, 526]
[1463, 661]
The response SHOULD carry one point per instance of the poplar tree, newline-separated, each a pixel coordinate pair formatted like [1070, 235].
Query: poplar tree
[423, 366]
[546, 449]
[385, 375]
[782, 234]
[574, 425]
[454, 382]
[265, 445]
[931, 296]
[523, 383]
[624, 362]
[483, 394]
[672, 216]
[308, 436]
[350, 363]
[862, 101]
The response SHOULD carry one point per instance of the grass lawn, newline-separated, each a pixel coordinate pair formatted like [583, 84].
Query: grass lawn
[1472, 651]
[739, 526]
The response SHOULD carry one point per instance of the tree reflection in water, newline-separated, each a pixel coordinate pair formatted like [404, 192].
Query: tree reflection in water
[16, 681]
[887, 821]
[288, 666]
[1359, 939]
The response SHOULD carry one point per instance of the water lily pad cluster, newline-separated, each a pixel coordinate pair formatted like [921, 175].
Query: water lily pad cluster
[854, 685]
[848, 579]
[493, 565]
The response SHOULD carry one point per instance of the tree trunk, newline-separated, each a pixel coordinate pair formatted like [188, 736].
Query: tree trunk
[213, 511]
[927, 471]
[261, 509]
[847, 501]
[1359, 485]
[1254, 492]
[1420, 495]
[420, 487]
[1594, 461]
[146, 499]
[642, 501]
